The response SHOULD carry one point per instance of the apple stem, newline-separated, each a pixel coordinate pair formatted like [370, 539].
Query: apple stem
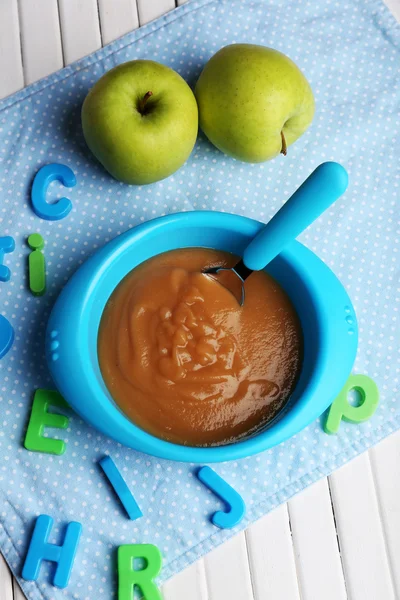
[284, 146]
[143, 101]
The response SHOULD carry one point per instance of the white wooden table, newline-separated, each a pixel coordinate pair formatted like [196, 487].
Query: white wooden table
[338, 539]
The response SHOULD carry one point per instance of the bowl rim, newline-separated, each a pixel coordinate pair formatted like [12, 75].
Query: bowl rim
[112, 421]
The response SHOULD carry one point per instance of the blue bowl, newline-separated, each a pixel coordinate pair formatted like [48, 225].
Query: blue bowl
[324, 308]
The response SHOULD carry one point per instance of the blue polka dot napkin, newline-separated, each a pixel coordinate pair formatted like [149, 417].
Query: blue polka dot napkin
[350, 53]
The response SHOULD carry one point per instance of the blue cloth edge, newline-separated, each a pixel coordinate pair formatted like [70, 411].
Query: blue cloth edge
[253, 513]
[378, 7]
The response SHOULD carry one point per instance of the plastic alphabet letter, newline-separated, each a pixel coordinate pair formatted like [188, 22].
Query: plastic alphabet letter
[234, 501]
[7, 245]
[43, 178]
[342, 409]
[37, 267]
[41, 418]
[6, 336]
[40, 550]
[128, 577]
[120, 487]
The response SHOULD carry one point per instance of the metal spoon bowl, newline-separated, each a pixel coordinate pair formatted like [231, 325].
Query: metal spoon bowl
[317, 193]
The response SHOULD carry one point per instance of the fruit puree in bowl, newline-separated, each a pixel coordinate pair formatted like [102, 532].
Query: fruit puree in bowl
[185, 362]
[329, 342]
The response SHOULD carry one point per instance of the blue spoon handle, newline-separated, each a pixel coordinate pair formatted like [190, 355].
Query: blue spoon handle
[325, 185]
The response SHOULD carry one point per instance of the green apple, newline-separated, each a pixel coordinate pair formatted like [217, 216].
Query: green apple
[253, 102]
[140, 120]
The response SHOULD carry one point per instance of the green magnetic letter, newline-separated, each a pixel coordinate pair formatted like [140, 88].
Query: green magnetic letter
[41, 418]
[128, 577]
[37, 268]
[341, 409]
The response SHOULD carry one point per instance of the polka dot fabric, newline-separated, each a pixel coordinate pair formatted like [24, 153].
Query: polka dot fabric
[350, 53]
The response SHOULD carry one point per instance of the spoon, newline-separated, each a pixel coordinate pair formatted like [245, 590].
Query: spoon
[317, 193]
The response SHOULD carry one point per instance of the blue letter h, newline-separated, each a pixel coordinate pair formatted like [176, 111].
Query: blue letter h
[40, 549]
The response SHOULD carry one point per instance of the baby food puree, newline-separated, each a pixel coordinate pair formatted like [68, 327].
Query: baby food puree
[185, 362]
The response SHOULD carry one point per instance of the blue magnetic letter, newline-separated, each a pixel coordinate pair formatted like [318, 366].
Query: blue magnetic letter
[234, 501]
[40, 549]
[6, 336]
[120, 488]
[43, 178]
[7, 245]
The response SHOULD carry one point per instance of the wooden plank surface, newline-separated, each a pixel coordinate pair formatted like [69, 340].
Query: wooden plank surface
[394, 7]
[150, 10]
[80, 28]
[6, 586]
[315, 543]
[18, 595]
[12, 76]
[117, 17]
[40, 38]
[227, 571]
[271, 557]
[385, 463]
[191, 583]
[359, 527]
